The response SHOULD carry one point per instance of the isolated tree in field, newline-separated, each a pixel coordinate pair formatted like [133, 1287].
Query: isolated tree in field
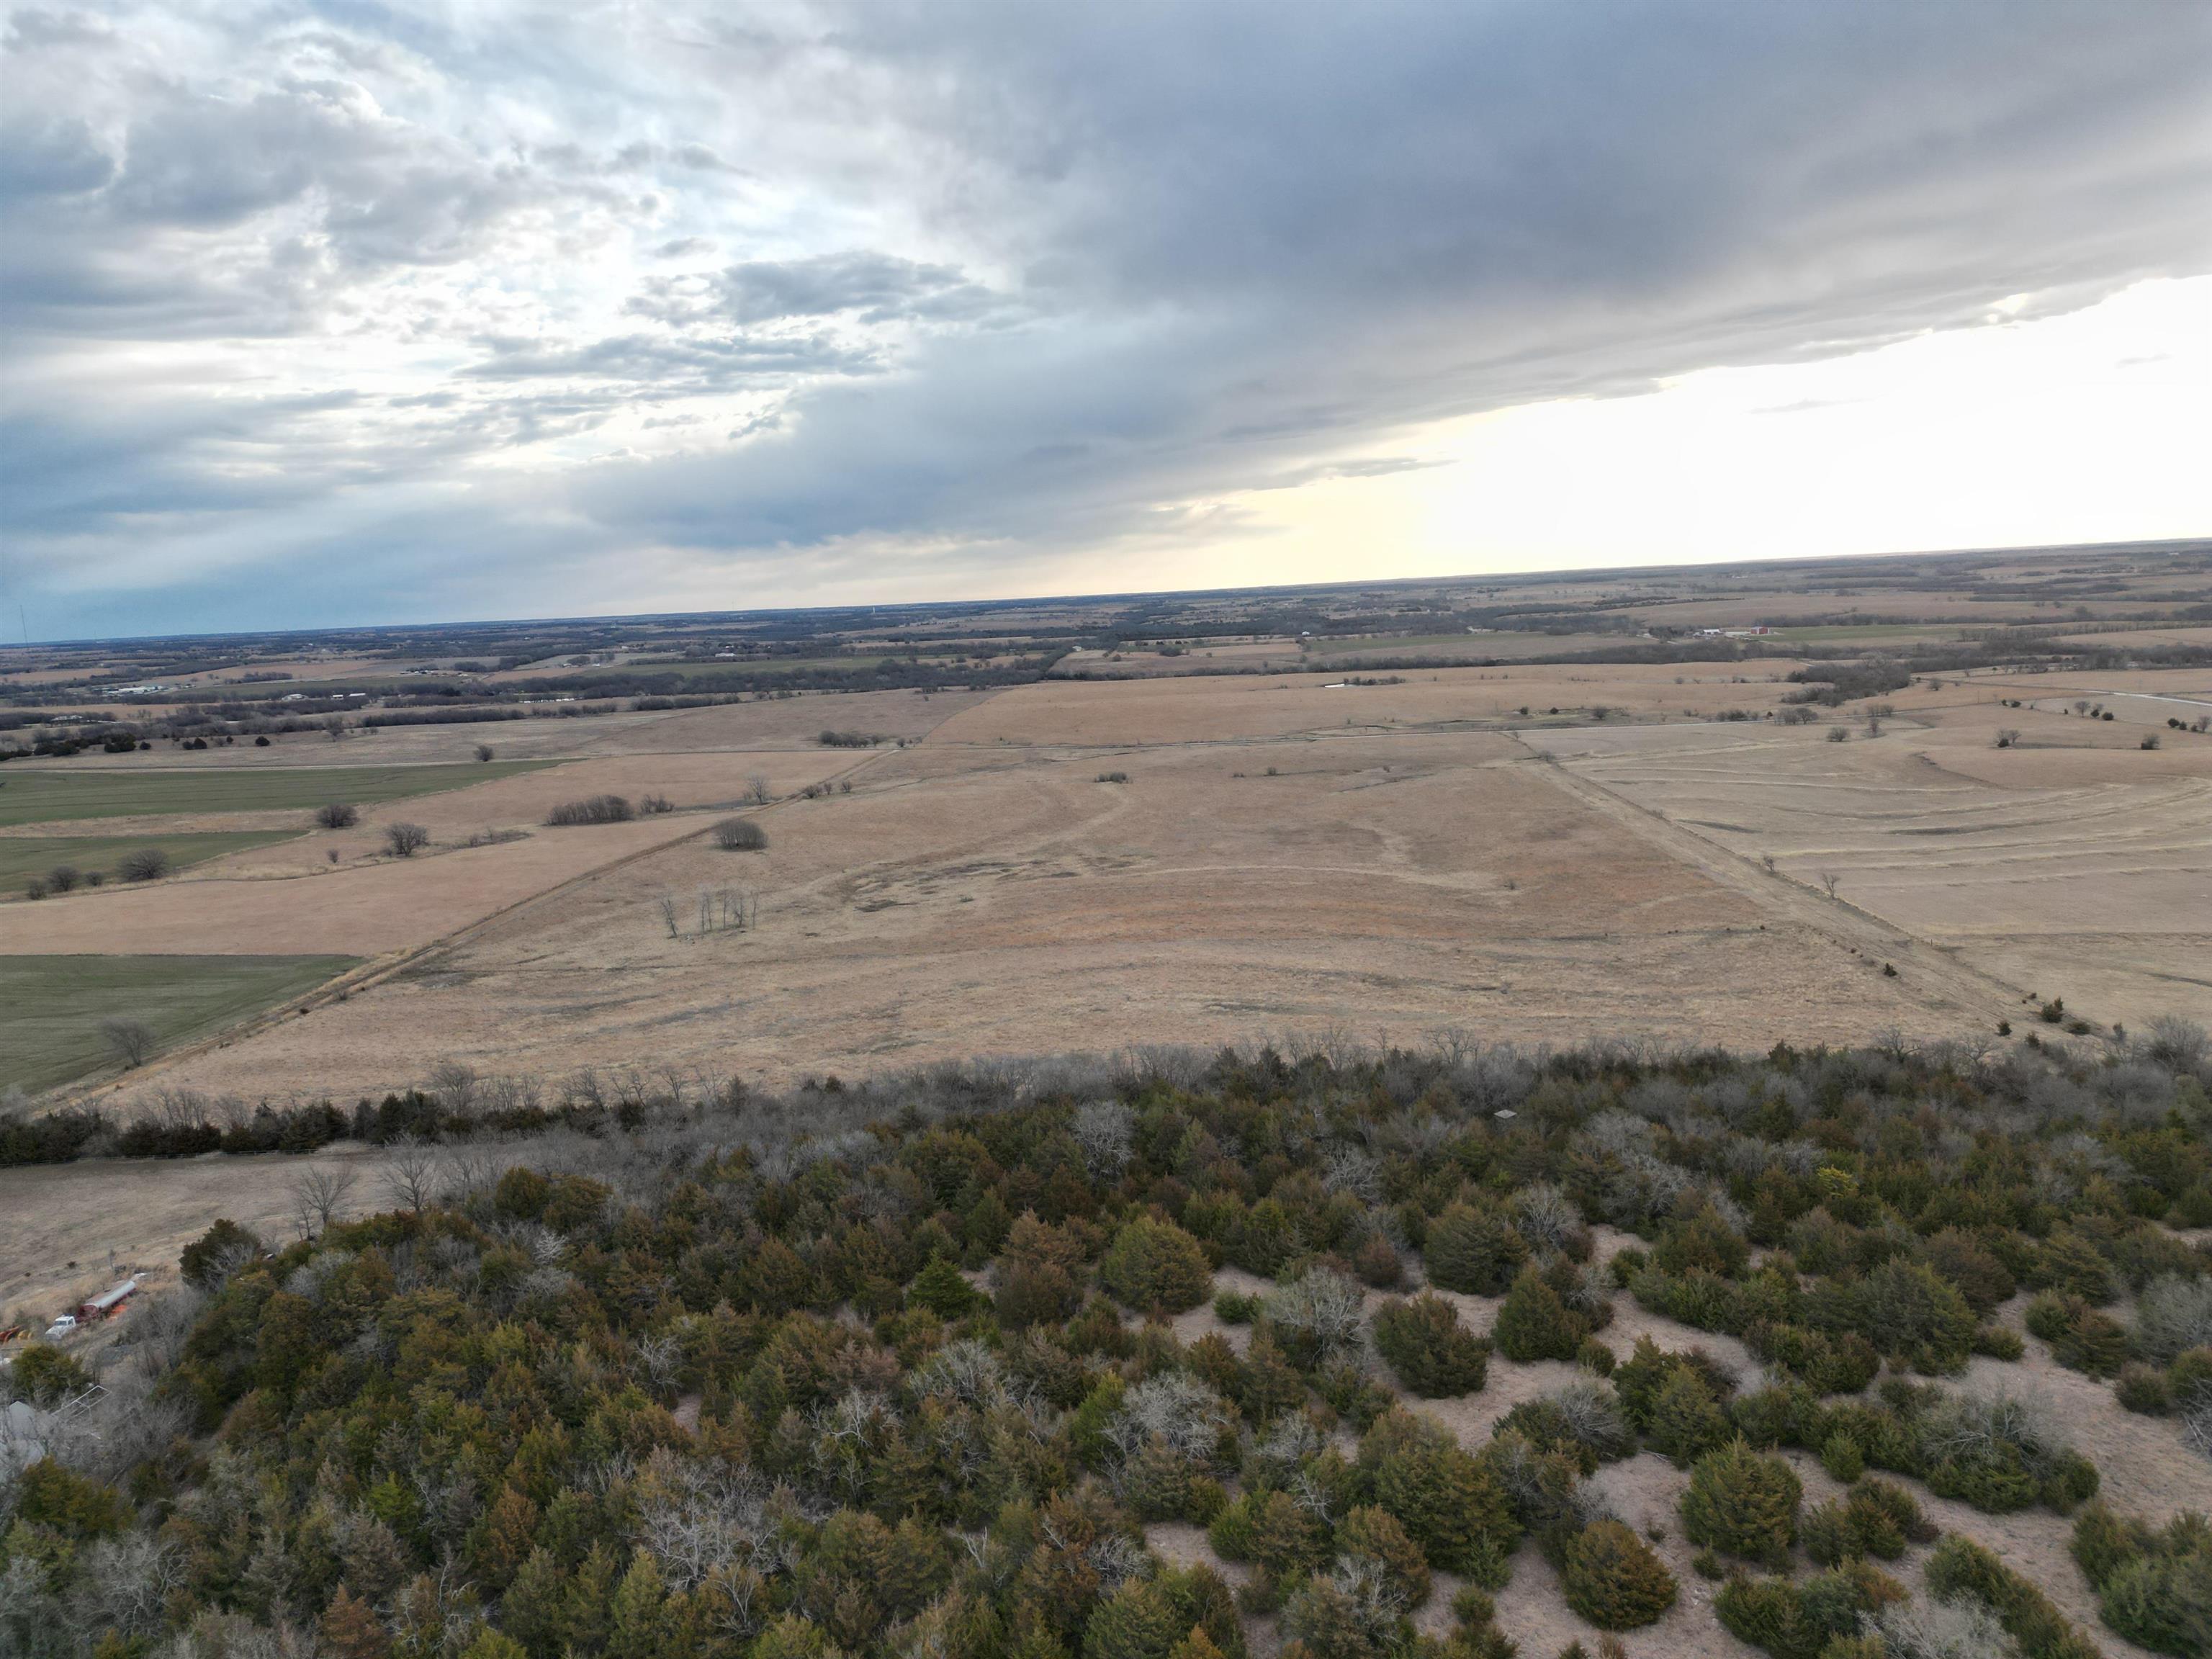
[130, 1041]
[756, 791]
[143, 864]
[339, 815]
[741, 836]
[405, 840]
[1829, 880]
[484, 752]
[318, 1198]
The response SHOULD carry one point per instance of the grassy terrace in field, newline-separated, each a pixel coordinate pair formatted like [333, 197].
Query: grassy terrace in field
[25, 859]
[48, 797]
[56, 1004]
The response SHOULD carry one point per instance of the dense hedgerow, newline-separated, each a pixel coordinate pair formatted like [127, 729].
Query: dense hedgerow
[713, 1375]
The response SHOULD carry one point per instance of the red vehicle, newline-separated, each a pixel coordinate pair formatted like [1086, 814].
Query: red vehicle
[107, 1305]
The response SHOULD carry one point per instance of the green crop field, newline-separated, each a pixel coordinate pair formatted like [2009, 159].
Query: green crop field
[24, 859]
[47, 797]
[56, 1004]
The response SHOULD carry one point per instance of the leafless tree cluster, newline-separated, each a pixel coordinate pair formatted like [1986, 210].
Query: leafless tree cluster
[722, 910]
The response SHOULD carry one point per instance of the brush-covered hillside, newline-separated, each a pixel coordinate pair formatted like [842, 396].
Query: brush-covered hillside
[1887, 1353]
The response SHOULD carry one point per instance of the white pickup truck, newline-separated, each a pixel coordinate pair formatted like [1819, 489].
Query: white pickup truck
[61, 1327]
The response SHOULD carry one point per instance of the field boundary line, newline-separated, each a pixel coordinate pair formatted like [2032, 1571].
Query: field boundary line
[1839, 921]
[377, 971]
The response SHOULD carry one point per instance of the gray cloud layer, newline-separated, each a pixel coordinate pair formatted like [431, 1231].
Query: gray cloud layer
[312, 311]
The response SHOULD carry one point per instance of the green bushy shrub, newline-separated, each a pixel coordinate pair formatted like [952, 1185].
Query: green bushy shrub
[1475, 1250]
[2081, 1339]
[2153, 1587]
[1155, 1265]
[1430, 1351]
[1743, 1503]
[1613, 1579]
[1957, 1567]
[1450, 1505]
[1535, 1322]
[1875, 1517]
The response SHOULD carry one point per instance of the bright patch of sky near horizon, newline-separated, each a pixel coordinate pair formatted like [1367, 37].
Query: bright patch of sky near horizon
[319, 313]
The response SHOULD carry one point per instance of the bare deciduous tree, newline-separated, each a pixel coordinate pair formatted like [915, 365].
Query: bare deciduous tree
[337, 814]
[318, 1197]
[410, 1172]
[130, 1041]
[668, 912]
[405, 840]
[1828, 879]
[756, 789]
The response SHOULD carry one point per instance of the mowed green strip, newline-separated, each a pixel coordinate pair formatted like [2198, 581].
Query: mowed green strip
[51, 1033]
[25, 860]
[28, 797]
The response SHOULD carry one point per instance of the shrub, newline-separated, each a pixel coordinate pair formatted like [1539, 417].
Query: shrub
[940, 1287]
[212, 1257]
[1235, 1308]
[2174, 1314]
[2081, 1339]
[1686, 1421]
[2144, 1389]
[1374, 1536]
[1583, 1418]
[143, 864]
[1451, 1506]
[1979, 1276]
[63, 878]
[1998, 1454]
[1701, 1239]
[1474, 1250]
[1998, 1342]
[1841, 1456]
[1432, 1353]
[339, 815]
[1156, 1265]
[405, 840]
[1875, 1517]
[1743, 1503]
[1906, 1311]
[44, 1376]
[1767, 1612]
[595, 809]
[1317, 1317]
[1378, 1264]
[1615, 1580]
[2153, 1587]
[1957, 1568]
[741, 836]
[1535, 1323]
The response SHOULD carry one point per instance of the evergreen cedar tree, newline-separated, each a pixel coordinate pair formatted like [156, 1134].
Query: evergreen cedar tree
[729, 1405]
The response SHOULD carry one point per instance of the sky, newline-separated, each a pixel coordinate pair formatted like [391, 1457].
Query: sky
[360, 313]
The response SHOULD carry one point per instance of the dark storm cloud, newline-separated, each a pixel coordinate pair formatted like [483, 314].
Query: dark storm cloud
[1023, 279]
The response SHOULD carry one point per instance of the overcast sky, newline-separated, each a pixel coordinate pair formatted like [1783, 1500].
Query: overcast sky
[368, 313]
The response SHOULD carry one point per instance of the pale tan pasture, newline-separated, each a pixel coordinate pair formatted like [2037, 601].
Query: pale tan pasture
[994, 899]
[2084, 871]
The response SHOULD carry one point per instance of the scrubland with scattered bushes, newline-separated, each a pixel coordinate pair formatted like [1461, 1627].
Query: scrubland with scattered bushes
[924, 1366]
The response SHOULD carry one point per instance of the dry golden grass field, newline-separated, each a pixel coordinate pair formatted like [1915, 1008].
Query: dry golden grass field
[1288, 853]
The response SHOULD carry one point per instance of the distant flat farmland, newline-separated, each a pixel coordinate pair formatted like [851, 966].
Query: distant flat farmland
[25, 859]
[48, 797]
[56, 1004]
